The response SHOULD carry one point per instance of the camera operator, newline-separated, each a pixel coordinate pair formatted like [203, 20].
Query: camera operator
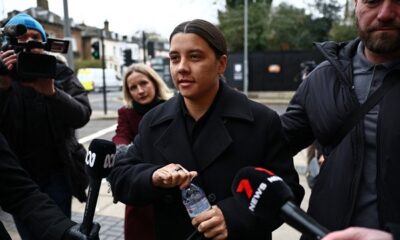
[38, 117]
[21, 196]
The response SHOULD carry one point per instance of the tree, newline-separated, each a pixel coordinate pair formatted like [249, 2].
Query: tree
[327, 14]
[283, 27]
[233, 3]
[289, 28]
[342, 32]
[231, 24]
[328, 9]
[345, 29]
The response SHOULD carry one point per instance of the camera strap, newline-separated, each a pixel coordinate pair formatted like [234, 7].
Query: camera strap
[359, 113]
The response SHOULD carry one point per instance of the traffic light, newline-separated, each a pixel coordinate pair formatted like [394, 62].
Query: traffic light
[96, 50]
[150, 49]
[127, 56]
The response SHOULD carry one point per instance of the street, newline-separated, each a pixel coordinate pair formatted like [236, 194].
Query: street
[100, 122]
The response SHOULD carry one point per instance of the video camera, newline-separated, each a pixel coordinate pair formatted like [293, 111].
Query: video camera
[30, 65]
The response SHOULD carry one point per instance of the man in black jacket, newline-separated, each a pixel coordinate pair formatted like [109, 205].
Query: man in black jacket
[359, 179]
[22, 197]
[38, 117]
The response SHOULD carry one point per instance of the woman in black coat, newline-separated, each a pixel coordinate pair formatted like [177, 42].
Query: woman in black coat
[210, 130]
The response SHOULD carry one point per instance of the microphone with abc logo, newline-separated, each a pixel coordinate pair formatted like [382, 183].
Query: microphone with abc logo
[99, 160]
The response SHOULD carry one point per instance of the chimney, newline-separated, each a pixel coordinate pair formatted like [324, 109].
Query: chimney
[43, 4]
[106, 29]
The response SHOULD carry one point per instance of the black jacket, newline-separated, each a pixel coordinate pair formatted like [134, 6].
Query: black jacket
[238, 133]
[317, 111]
[21, 197]
[68, 110]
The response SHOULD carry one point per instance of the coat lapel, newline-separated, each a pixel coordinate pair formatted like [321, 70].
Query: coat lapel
[174, 144]
[215, 138]
[212, 142]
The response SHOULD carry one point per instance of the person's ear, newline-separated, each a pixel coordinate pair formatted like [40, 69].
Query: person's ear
[222, 62]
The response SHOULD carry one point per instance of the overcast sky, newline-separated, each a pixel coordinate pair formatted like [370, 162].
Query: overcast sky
[129, 16]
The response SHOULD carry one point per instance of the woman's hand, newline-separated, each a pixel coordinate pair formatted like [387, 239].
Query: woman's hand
[173, 175]
[212, 224]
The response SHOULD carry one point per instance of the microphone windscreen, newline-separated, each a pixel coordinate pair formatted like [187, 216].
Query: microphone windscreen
[261, 191]
[100, 158]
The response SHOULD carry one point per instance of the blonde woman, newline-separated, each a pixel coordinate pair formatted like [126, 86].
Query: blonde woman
[143, 89]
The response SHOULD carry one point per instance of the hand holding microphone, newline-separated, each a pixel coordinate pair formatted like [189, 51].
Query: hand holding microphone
[359, 233]
[268, 196]
[100, 159]
[74, 233]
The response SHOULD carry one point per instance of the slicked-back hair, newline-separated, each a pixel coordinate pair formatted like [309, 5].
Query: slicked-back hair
[207, 31]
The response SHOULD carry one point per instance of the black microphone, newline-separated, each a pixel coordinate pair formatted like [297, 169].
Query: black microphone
[14, 30]
[267, 196]
[100, 158]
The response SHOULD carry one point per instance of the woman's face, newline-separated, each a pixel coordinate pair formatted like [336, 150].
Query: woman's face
[194, 66]
[141, 88]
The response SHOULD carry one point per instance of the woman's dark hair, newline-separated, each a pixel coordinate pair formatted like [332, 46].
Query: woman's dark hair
[207, 31]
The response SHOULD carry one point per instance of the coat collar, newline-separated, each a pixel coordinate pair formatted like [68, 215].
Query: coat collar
[232, 104]
[212, 141]
[340, 56]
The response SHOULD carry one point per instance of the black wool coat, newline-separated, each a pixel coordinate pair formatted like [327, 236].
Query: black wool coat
[238, 133]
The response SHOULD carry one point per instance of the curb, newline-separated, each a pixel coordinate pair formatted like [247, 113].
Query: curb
[102, 115]
[267, 102]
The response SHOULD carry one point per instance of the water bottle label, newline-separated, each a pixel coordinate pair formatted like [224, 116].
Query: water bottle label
[197, 208]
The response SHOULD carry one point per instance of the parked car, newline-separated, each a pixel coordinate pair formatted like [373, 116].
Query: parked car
[92, 79]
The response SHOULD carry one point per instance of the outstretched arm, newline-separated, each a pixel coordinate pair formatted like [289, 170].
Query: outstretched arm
[359, 233]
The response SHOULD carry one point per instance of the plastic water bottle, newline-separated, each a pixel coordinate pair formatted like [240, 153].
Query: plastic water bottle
[195, 200]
